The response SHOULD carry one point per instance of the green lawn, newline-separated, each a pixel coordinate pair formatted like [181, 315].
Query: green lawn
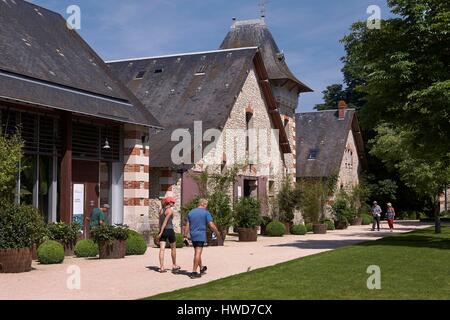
[413, 266]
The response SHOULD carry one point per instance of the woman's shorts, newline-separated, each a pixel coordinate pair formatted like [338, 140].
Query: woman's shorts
[168, 236]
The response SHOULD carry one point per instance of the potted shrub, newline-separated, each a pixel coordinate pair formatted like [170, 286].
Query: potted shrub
[86, 249]
[135, 244]
[247, 218]
[288, 199]
[342, 212]
[21, 228]
[111, 241]
[219, 204]
[299, 229]
[66, 234]
[312, 197]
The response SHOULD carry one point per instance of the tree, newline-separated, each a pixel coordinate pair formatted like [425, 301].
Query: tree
[10, 157]
[332, 95]
[406, 86]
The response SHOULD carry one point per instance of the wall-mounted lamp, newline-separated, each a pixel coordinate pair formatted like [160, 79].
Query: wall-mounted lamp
[106, 146]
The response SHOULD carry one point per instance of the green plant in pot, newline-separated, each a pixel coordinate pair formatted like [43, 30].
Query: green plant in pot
[313, 194]
[288, 199]
[247, 217]
[65, 233]
[21, 228]
[219, 204]
[111, 240]
[342, 212]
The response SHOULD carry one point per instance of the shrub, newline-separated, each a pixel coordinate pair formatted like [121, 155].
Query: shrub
[50, 252]
[366, 219]
[275, 229]
[330, 224]
[180, 240]
[136, 245]
[298, 229]
[412, 216]
[342, 210]
[86, 249]
[219, 204]
[108, 233]
[21, 226]
[67, 234]
[309, 227]
[247, 213]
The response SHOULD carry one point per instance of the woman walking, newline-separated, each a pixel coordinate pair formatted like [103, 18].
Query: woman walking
[390, 216]
[167, 234]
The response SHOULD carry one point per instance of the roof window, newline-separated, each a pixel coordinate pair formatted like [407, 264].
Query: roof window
[140, 75]
[312, 154]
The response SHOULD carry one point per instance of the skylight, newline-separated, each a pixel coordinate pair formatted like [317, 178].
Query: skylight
[160, 70]
[312, 155]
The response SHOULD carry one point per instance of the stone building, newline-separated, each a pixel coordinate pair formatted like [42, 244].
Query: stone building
[85, 134]
[330, 142]
[193, 94]
[285, 85]
[444, 200]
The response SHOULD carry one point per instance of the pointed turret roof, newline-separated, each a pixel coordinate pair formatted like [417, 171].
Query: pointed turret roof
[249, 33]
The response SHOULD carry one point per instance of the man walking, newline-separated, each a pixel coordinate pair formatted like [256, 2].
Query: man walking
[198, 220]
[376, 213]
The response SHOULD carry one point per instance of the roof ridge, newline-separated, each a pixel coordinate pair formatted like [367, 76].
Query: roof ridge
[181, 54]
[320, 111]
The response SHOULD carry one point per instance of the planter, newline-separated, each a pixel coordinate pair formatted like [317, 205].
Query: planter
[357, 221]
[15, 260]
[262, 230]
[114, 250]
[319, 228]
[248, 234]
[341, 225]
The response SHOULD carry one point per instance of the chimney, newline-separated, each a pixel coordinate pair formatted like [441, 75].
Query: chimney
[342, 109]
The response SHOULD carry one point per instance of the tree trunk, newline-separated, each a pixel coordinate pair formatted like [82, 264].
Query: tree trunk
[437, 218]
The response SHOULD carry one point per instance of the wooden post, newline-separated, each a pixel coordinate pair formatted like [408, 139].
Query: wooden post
[66, 170]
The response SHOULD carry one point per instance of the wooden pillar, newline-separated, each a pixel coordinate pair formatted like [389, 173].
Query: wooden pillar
[66, 169]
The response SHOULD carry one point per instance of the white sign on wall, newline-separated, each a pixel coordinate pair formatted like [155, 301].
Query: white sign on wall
[78, 199]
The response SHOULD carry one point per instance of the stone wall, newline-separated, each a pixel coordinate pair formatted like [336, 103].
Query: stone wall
[136, 179]
[350, 169]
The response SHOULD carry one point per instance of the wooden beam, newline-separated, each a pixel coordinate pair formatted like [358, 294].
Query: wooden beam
[66, 169]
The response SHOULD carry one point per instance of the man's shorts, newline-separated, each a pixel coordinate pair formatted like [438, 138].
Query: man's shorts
[198, 244]
[168, 235]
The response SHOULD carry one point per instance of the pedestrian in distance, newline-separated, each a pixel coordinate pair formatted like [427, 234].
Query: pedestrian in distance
[376, 213]
[390, 214]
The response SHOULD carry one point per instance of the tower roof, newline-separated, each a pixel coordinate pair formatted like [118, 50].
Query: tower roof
[248, 33]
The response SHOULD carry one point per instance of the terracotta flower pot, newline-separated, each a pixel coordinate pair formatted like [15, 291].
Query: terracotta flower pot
[15, 260]
[357, 221]
[319, 228]
[248, 234]
[69, 249]
[114, 250]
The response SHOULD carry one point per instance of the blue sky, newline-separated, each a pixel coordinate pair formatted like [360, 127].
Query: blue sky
[308, 31]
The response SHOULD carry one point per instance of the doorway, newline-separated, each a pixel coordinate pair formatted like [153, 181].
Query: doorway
[85, 180]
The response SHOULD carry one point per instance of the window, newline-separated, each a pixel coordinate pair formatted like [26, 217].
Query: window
[201, 70]
[312, 155]
[160, 70]
[140, 75]
[249, 125]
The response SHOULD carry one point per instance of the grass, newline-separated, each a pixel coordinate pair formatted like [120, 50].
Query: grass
[413, 266]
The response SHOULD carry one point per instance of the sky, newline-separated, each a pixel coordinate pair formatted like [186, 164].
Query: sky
[308, 31]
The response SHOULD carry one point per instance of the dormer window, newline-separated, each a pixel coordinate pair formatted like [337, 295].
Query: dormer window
[312, 154]
[140, 75]
[160, 70]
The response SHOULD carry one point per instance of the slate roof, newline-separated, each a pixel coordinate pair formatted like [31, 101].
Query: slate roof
[249, 33]
[44, 63]
[180, 89]
[324, 132]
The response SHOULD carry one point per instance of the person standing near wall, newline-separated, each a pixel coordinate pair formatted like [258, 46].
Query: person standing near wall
[376, 213]
[167, 234]
[390, 213]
